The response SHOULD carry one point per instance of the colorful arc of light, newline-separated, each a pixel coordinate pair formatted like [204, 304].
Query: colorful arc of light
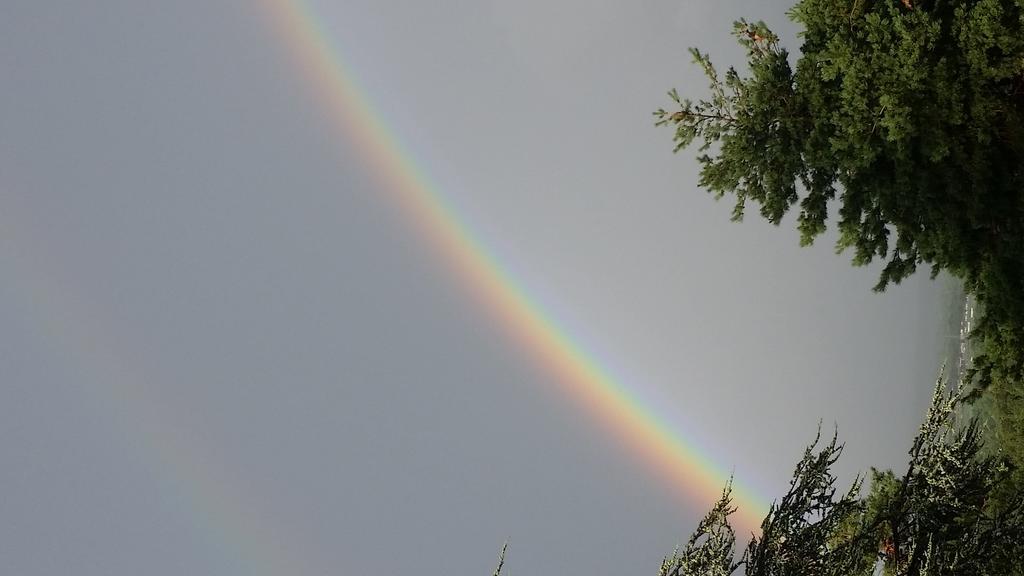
[689, 472]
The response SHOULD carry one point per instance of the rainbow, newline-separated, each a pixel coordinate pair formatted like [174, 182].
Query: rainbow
[245, 536]
[678, 462]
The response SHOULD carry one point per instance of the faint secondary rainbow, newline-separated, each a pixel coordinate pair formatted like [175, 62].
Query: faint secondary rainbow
[248, 538]
[683, 466]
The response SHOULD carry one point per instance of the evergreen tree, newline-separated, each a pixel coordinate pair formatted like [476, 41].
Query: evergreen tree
[908, 115]
[937, 519]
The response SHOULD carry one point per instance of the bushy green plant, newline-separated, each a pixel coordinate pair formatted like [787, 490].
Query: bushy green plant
[936, 519]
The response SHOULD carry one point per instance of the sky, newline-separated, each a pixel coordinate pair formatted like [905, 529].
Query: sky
[231, 348]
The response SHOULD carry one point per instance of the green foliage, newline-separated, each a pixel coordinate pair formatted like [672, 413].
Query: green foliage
[709, 550]
[906, 119]
[934, 520]
[806, 531]
[941, 519]
[809, 531]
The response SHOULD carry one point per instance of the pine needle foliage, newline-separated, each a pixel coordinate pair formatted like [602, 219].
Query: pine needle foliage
[935, 520]
[901, 123]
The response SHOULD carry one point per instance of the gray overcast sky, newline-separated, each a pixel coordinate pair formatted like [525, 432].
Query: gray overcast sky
[226, 353]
